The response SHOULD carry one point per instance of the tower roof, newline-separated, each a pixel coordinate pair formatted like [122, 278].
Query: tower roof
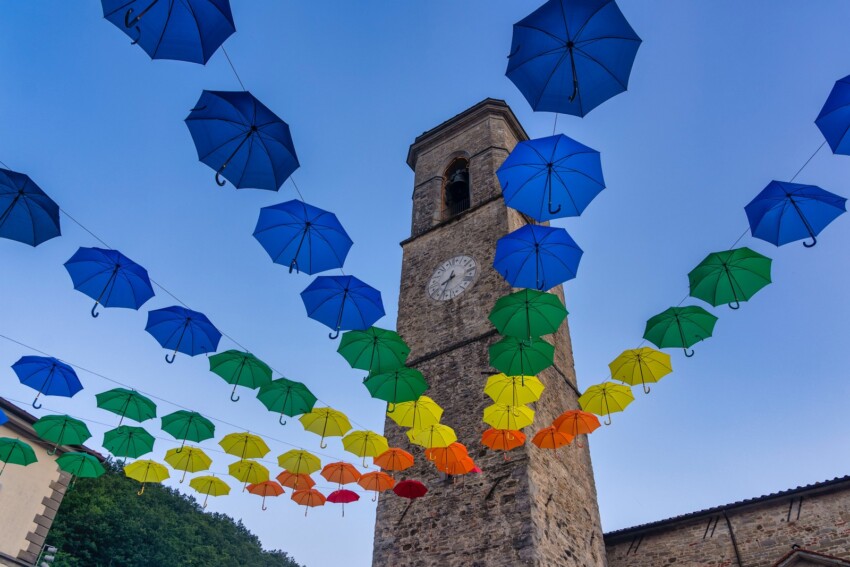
[486, 106]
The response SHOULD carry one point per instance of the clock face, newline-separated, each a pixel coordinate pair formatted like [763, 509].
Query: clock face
[452, 277]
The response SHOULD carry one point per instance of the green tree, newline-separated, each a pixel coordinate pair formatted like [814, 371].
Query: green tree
[102, 522]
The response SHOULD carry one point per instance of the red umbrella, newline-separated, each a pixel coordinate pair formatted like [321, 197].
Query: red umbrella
[411, 489]
[267, 488]
[343, 497]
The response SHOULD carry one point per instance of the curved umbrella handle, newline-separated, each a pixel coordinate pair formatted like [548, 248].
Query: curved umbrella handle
[264, 504]
[218, 180]
[281, 421]
[554, 211]
[233, 393]
[35, 403]
[142, 491]
[184, 476]
[333, 335]
[322, 444]
[94, 309]
[138, 36]
[689, 353]
[505, 456]
[53, 450]
[578, 443]
[814, 241]
[294, 266]
[646, 389]
[170, 360]
[735, 305]
[608, 420]
[127, 22]
[375, 497]
[570, 46]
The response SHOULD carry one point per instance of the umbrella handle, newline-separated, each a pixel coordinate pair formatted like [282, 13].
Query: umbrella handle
[554, 211]
[218, 179]
[170, 360]
[570, 46]
[607, 420]
[578, 443]
[735, 305]
[264, 508]
[142, 491]
[184, 476]
[53, 450]
[333, 335]
[94, 309]
[294, 266]
[375, 497]
[505, 456]
[646, 389]
[809, 245]
[323, 445]
[689, 353]
[280, 420]
[233, 393]
[35, 403]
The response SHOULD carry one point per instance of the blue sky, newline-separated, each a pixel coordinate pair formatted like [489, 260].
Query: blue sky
[722, 100]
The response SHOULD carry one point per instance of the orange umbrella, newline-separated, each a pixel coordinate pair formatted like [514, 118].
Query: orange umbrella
[376, 481]
[267, 488]
[458, 468]
[296, 481]
[454, 457]
[309, 498]
[576, 422]
[502, 439]
[341, 472]
[394, 460]
[551, 438]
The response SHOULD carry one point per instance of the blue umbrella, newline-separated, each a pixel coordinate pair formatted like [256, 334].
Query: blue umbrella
[182, 330]
[834, 117]
[27, 214]
[342, 303]
[48, 376]
[3, 418]
[570, 56]
[185, 30]
[785, 212]
[538, 257]
[242, 140]
[110, 278]
[302, 236]
[551, 172]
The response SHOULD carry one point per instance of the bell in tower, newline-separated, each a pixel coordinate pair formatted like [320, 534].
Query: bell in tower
[456, 198]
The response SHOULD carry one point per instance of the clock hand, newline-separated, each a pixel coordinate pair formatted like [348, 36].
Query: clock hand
[446, 283]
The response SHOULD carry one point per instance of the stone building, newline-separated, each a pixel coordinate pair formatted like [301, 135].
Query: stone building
[536, 509]
[29, 496]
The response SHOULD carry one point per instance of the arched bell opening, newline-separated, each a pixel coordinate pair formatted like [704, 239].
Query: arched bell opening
[456, 190]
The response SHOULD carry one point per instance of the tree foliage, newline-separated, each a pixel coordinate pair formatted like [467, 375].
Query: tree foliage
[102, 522]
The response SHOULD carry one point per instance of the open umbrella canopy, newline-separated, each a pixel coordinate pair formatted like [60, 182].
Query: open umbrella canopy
[785, 212]
[680, 327]
[537, 257]
[48, 376]
[309, 498]
[375, 350]
[242, 140]
[508, 416]
[298, 461]
[3, 418]
[513, 390]
[570, 56]
[518, 357]
[244, 445]
[410, 489]
[15, 452]
[27, 214]
[188, 460]
[502, 439]
[248, 472]
[445, 458]
[303, 237]
[365, 444]
[325, 422]
[343, 496]
[188, 426]
[376, 481]
[127, 441]
[394, 459]
[421, 412]
[295, 481]
[550, 178]
[342, 303]
[551, 438]
[729, 277]
[528, 313]
[341, 473]
[209, 486]
[110, 278]
[433, 436]
[286, 397]
[397, 386]
[127, 403]
[264, 489]
[80, 465]
[640, 366]
[146, 471]
[605, 399]
[61, 430]
[184, 30]
[240, 369]
[182, 330]
[573, 423]
[834, 117]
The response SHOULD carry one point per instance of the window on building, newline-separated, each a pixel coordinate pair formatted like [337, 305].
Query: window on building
[456, 193]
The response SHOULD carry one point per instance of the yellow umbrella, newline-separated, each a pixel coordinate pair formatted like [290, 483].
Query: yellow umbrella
[188, 459]
[365, 444]
[433, 436]
[513, 390]
[639, 366]
[507, 416]
[248, 472]
[417, 414]
[209, 486]
[326, 422]
[298, 461]
[605, 399]
[244, 445]
[146, 471]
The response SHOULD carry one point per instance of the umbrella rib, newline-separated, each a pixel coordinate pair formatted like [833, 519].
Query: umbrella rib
[164, 27]
[602, 65]
[590, 17]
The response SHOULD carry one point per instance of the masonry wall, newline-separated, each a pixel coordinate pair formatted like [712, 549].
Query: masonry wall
[764, 533]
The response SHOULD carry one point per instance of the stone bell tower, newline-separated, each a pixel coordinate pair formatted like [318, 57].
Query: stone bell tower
[538, 508]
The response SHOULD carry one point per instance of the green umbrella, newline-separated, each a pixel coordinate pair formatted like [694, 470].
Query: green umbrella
[16, 452]
[680, 327]
[126, 441]
[80, 465]
[528, 313]
[286, 397]
[730, 277]
[518, 357]
[397, 386]
[240, 369]
[375, 350]
[188, 426]
[61, 430]
[127, 403]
